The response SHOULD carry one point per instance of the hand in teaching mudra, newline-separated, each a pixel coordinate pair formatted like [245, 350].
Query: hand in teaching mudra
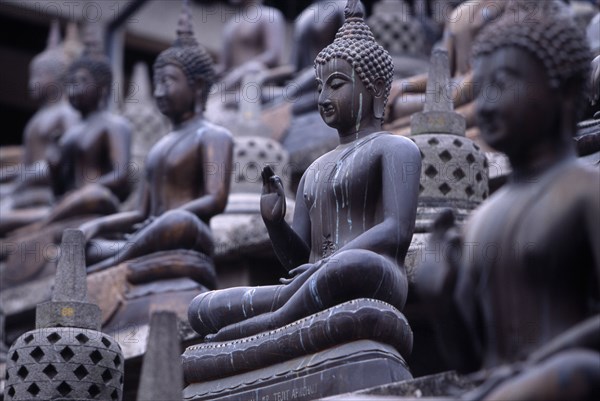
[272, 200]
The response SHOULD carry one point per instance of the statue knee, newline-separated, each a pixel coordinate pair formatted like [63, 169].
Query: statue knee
[578, 372]
[199, 314]
[569, 375]
[176, 217]
[369, 275]
[186, 230]
[92, 198]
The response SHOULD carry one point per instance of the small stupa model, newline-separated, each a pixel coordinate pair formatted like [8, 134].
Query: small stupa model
[66, 357]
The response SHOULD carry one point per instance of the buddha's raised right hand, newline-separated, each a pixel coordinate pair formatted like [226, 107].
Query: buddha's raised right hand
[272, 200]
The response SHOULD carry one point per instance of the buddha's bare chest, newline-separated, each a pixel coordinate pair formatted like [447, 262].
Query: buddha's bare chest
[342, 177]
[529, 238]
[87, 141]
[172, 160]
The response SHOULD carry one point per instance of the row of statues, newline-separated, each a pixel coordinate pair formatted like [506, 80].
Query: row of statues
[517, 286]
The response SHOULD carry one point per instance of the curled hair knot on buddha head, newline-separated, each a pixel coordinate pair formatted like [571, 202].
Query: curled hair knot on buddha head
[187, 54]
[355, 43]
[553, 39]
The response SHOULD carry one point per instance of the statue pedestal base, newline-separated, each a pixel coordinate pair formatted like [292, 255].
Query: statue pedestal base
[344, 368]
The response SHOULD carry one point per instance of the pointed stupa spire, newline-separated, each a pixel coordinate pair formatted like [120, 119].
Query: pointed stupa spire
[438, 115]
[54, 36]
[69, 306]
[140, 88]
[185, 27]
[72, 45]
[437, 97]
[52, 58]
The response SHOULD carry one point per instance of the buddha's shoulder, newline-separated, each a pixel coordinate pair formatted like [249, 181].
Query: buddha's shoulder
[396, 144]
[578, 181]
[212, 131]
[573, 183]
[117, 122]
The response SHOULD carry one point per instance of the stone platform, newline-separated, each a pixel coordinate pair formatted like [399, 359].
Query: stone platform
[344, 368]
[441, 386]
[351, 346]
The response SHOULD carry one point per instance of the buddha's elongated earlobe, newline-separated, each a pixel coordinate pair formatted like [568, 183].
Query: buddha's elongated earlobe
[379, 98]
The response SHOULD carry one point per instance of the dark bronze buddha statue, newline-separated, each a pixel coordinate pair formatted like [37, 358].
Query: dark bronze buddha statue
[55, 115]
[252, 40]
[520, 285]
[88, 169]
[355, 206]
[47, 73]
[187, 175]
[88, 166]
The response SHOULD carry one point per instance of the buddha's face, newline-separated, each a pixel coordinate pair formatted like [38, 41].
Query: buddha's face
[344, 101]
[174, 95]
[515, 105]
[84, 91]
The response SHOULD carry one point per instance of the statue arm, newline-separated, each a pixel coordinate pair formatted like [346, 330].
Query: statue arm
[445, 286]
[585, 334]
[401, 170]
[274, 31]
[119, 147]
[289, 243]
[38, 174]
[60, 171]
[215, 161]
[118, 222]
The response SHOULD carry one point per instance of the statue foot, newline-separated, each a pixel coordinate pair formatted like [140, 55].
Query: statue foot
[249, 327]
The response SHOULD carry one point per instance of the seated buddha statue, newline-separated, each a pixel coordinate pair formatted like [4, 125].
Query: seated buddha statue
[88, 166]
[88, 169]
[55, 116]
[355, 206]
[253, 39]
[519, 285]
[187, 172]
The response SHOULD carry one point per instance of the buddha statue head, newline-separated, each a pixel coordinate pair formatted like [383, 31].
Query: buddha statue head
[356, 58]
[47, 70]
[183, 74]
[90, 76]
[531, 78]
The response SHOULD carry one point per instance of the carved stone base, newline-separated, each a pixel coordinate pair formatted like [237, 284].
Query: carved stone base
[442, 386]
[359, 319]
[344, 368]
